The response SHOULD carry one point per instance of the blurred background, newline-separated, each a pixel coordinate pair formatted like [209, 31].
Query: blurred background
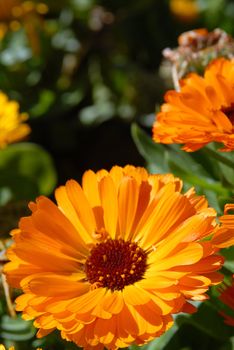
[84, 70]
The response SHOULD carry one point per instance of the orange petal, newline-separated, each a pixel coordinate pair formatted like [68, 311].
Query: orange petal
[128, 200]
[108, 195]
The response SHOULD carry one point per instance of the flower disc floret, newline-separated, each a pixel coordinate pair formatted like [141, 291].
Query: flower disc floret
[115, 264]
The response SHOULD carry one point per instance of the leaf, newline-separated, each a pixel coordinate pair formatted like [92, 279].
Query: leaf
[153, 153]
[16, 329]
[228, 253]
[27, 170]
[184, 166]
[163, 159]
[161, 342]
[46, 100]
[208, 321]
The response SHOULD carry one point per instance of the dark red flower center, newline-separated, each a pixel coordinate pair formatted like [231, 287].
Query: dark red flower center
[115, 264]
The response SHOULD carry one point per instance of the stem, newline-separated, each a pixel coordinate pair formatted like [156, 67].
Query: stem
[219, 157]
[175, 77]
[7, 296]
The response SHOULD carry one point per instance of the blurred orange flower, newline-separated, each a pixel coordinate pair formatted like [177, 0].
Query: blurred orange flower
[114, 259]
[184, 10]
[12, 128]
[15, 14]
[227, 297]
[202, 111]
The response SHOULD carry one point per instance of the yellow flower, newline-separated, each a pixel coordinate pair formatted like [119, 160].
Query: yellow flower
[12, 128]
[202, 111]
[114, 259]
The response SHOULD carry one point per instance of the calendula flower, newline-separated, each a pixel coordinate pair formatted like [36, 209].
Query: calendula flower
[12, 128]
[202, 111]
[225, 235]
[227, 297]
[184, 10]
[115, 258]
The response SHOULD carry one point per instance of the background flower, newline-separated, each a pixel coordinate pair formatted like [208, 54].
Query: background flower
[201, 112]
[111, 263]
[12, 128]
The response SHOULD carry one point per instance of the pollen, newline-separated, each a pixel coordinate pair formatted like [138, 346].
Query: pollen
[118, 262]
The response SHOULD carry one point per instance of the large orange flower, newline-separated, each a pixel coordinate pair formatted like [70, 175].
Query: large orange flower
[202, 111]
[114, 259]
[227, 297]
[12, 128]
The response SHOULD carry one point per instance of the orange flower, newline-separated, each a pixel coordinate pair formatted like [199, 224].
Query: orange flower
[114, 259]
[12, 10]
[224, 237]
[202, 112]
[185, 10]
[11, 127]
[15, 14]
[227, 297]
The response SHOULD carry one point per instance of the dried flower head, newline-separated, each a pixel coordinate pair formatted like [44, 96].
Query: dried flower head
[196, 49]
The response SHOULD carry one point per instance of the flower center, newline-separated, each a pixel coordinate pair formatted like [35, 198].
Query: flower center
[115, 264]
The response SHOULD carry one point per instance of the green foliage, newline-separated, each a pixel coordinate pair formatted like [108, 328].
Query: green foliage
[189, 167]
[228, 253]
[16, 329]
[26, 170]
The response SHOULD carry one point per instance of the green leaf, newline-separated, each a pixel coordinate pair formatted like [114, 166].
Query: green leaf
[228, 253]
[16, 329]
[46, 100]
[27, 170]
[153, 153]
[161, 342]
[164, 159]
[184, 166]
[208, 320]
